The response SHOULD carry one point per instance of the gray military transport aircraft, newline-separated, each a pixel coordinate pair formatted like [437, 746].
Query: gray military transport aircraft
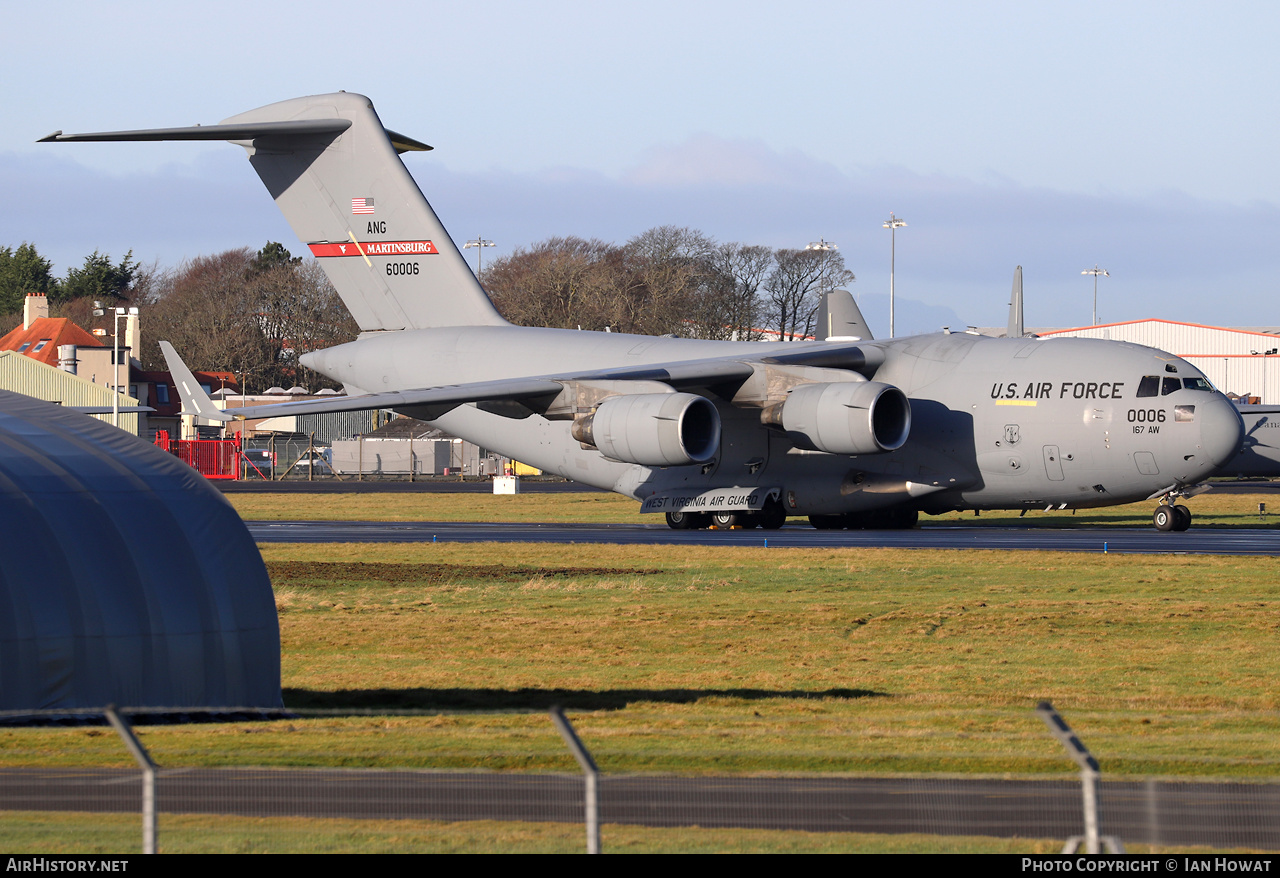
[847, 430]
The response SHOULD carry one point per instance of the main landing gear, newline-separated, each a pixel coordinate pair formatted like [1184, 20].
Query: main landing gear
[881, 519]
[771, 517]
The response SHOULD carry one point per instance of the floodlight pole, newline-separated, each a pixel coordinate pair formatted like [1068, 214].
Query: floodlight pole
[893, 223]
[479, 243]
[115, 369]
[1264, 355]
[824, 245]
[1095, 271]
[115, 359]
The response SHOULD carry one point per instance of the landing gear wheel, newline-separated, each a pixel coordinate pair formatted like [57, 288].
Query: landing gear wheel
[724, 520]
[1181, 518]
[686, 520]
[901, 519]
[857, 521]
[827, 522]
[772, 516]
[1164, 518]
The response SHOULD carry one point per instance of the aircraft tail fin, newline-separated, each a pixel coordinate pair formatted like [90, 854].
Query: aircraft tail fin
[839, 318]
[1016, 329]
[335, 173]
[194, 400]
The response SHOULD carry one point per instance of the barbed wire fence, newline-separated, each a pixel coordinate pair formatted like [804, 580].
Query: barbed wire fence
[228, 809]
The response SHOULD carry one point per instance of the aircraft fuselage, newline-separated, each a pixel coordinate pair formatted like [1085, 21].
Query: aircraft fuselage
[995, 423]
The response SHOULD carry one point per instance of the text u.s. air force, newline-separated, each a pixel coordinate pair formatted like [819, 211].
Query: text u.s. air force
[1065, 390]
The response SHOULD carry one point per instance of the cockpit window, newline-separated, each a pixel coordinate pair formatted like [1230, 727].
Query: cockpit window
[1170, 385]
[1197, 384]
[1149, 386]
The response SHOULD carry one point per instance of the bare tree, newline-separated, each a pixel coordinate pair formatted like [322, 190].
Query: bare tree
[297, 310]
[667, 272]
[731, 307]
[203, 307]
[239, 312]
[560, 282]
[667, 280]
[796, 285]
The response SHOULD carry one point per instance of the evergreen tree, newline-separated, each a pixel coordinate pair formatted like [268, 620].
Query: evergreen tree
[99, 279]
[23, 271]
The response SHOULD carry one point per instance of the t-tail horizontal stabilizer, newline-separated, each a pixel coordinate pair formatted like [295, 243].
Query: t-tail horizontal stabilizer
[195, 401]
[336, 175]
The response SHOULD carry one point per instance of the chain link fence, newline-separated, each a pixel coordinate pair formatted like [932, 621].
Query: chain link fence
[240, 809]
[281, 457]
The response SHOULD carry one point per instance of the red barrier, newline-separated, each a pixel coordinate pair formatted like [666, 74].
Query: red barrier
[212, 458]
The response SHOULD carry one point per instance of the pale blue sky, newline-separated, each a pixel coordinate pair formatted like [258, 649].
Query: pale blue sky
[1138, 135]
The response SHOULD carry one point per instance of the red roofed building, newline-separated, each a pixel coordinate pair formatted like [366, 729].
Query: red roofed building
[61, 344]
[40, 335]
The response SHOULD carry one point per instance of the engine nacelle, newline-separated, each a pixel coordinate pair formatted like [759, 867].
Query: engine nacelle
[854, 417]
[653, 429]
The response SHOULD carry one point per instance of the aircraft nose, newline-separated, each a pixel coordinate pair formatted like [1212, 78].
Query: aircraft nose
[1221, 430]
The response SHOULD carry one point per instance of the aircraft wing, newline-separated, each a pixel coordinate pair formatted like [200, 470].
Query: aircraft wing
[708, 372]
[106, 409]
[443, 398]
[712, 371]
[196, 402]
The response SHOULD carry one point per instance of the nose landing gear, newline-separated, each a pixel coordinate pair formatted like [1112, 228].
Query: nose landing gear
[1171, 517]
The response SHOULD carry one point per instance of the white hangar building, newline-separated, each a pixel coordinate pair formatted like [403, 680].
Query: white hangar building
[1244, 362]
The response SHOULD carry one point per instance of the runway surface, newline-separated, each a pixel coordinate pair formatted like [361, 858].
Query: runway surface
[433, 485]
[528, 485]
[1161, 813]
[1137, 540]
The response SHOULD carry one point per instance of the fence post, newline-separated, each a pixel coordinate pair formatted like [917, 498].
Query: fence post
[1089, 775]
[148, 767]
[591, 776]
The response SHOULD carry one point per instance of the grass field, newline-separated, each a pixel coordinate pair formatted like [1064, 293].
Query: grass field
[79, 833]
[751, 660]
[721, 660]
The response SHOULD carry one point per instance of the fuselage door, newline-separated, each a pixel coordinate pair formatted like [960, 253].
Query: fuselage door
[1053, 463]
[1146, 463]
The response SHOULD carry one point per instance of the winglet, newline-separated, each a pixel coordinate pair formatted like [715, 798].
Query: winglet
[195, 401]
[1016, 329]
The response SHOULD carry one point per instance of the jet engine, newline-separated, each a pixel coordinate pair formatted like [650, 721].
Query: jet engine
[653, 429]
[854, 417]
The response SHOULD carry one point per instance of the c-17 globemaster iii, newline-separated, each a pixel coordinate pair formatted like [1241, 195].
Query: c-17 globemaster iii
[847, 430]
